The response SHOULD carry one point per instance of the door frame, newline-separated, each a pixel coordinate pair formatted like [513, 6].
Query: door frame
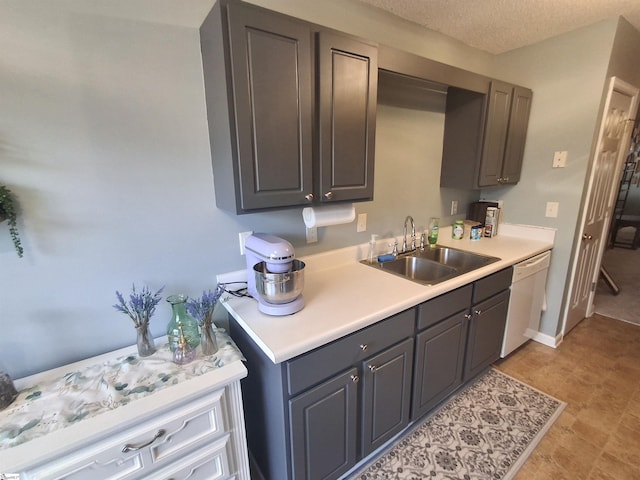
[615, 84]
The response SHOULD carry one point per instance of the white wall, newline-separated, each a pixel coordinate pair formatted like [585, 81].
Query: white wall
[103, 137]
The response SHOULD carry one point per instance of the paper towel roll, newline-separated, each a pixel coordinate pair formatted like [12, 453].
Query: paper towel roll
[329, 215]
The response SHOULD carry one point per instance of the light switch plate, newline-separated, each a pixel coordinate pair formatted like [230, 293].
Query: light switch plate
[552, 209]
[454, 207]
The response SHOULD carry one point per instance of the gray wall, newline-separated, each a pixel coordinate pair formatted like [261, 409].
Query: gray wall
[566, 74]
[103, 137]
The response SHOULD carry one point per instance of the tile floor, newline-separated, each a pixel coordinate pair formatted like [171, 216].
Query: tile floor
[596, 370]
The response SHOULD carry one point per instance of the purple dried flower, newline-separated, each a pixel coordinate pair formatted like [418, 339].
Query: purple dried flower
[141, 306]
[202, 308]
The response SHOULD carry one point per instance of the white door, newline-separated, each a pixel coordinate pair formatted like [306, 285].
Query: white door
[611, 149]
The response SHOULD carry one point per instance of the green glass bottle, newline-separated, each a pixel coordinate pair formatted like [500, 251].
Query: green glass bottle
[179, 316]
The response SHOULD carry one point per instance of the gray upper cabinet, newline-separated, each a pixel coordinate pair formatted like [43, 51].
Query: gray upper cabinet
[348, 74]
[484, 136]
[264, 74]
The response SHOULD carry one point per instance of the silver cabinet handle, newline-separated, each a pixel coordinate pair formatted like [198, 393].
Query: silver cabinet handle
[468, 316]
[132, 448]
[587, 237]
[309, 197]
[355, 378]
[363, 347]
[478, 312]
[328, 195]
[373, 368]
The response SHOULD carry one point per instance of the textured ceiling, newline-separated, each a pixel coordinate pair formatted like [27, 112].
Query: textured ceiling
[498, 26]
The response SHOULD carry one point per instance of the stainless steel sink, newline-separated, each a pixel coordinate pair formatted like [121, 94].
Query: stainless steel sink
[459, 259]
[434, 264]
[419, 269]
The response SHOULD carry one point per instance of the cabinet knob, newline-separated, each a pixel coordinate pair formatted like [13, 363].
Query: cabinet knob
[468, 316]
[363, 347]
[309, 197]
[586, 237]
[355, 378]
[373, 368]
[132, 448]
[328, 195]
[478, 312]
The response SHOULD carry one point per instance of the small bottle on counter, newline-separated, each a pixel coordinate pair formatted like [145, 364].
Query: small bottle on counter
[457, 233]
[433, 231]
[372, 249]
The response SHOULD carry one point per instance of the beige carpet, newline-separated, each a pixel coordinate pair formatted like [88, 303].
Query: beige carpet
[623, 264]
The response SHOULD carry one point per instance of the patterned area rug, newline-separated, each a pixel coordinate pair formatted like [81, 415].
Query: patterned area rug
[486, 431]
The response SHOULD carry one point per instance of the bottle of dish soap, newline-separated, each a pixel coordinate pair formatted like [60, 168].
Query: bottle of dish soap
[372, 248]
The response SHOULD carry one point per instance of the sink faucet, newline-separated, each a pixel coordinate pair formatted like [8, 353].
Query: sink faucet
[413, 234]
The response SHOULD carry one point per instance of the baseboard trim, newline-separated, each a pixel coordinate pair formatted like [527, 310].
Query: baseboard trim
[545, 339]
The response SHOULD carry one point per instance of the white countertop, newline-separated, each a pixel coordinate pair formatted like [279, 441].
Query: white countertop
[342, 295]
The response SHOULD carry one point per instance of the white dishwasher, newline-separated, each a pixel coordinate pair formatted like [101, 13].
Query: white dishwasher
[528, 300]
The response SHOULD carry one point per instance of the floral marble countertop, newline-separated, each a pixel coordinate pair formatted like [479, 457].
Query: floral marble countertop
[84, 393]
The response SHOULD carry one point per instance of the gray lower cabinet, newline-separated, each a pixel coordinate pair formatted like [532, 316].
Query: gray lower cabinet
[315, 416]
[459, 335]
[291, 109]
[324, 423]
[487, 319]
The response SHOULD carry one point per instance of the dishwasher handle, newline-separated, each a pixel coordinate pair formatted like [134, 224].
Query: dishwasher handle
[531, 266]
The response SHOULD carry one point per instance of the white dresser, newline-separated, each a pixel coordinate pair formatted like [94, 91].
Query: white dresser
[118, 416]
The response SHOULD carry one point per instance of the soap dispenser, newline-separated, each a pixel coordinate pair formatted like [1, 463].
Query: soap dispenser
[372, 248]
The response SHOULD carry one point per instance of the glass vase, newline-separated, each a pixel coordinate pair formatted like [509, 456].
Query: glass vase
[8, 392]
[145, 342]
[208, 340]
[179, 316]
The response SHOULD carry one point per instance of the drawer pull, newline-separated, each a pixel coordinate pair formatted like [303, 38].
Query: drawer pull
[468, 316]
[132, 448]
[478, 312]
[373, 368]
[355, 378]
[363, 347]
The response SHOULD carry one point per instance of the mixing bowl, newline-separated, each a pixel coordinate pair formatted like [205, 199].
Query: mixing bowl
[279, 288]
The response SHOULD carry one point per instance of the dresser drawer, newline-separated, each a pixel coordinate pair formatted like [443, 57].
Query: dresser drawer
[213, 462]
[148, 446]
[324, 362]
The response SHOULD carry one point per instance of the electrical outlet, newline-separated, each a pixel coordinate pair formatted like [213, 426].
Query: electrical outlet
[242, 237]
[312, 235]
[560, 159]
[552, 209]
[454, 207]
[362, 223]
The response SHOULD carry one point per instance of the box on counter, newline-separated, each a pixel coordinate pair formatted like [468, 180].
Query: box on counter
[491, 222]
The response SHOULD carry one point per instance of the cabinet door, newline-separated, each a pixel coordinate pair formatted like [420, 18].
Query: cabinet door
[439, 363]
[324, 427]
[386, 392]
[517, 134]
[271, 60]
[495, 137]
[348, 76]
[486, 331]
